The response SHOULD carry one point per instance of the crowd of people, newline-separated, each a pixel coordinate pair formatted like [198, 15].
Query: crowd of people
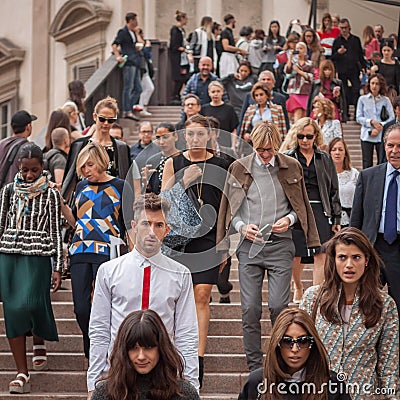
[145, 230]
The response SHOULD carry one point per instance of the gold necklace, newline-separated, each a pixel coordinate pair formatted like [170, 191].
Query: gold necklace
[199, 185]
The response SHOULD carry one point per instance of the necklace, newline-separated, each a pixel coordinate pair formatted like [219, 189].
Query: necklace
[199, 185]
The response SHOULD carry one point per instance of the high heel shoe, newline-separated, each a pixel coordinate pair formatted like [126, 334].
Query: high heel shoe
[39, 363]
[298, 294]
[19, 385]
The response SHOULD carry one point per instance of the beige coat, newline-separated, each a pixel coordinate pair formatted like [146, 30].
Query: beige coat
[237, 184]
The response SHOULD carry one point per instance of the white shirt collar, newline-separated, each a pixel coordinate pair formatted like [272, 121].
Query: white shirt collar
[389, 169]
[258, 161]
[146, 261]
[298, 376]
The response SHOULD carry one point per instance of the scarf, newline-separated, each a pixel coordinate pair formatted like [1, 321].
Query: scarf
[26, 191]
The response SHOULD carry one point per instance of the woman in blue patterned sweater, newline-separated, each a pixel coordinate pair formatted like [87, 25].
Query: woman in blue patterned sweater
[99, 228]
[357, 321]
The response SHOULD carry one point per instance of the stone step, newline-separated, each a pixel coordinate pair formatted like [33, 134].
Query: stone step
[51, 382]
[82, 396]
[55, 361]
[67, 344]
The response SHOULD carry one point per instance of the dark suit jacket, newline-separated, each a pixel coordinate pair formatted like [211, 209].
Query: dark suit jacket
[125, 41]
[368, 199]
[277, 98]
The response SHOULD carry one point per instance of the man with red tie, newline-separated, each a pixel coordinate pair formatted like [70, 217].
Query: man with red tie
[141, 279]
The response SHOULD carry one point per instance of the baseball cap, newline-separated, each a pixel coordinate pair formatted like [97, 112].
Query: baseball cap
[22, 118]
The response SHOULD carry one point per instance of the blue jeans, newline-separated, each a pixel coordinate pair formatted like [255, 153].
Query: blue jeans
[132, 87]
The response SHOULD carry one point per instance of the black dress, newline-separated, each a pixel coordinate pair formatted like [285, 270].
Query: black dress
[200, 254]
[176, 41]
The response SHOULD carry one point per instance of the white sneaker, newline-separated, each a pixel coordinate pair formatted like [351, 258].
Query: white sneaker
[145, 113]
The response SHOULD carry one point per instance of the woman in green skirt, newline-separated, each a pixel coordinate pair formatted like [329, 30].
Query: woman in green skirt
[30, 212]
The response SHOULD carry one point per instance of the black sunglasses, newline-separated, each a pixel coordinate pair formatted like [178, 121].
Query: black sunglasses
[309, 136]
[104, 119]
[302, 342]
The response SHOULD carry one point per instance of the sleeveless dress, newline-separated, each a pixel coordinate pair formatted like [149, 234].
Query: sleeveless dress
[200, 254]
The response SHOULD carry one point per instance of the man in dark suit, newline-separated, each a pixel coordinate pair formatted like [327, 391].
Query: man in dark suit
[376, 210]
[128, 44]
[268, 78]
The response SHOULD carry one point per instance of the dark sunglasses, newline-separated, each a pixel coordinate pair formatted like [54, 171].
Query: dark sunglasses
[104, 119]
[302, 342]
[308, 136]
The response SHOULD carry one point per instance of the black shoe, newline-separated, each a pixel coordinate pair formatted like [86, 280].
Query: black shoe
[201, 370]
[132, 117]
[225, 299]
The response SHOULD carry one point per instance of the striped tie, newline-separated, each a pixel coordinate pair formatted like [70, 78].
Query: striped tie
[146, 288]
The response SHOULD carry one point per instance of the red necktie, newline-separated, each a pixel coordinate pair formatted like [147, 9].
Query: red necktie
[146, 288]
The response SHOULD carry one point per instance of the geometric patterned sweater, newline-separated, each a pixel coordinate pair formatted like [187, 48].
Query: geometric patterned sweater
[98, 214]
[367, 359]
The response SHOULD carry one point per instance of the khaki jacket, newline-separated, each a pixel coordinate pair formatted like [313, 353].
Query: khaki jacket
[237, 184]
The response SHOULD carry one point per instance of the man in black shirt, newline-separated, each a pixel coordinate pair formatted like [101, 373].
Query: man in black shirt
[347, 54]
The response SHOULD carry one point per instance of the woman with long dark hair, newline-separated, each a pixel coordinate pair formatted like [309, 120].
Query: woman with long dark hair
[315, 52]
[331, 88]
[296, 364]
[77, 94]
[273, 44]
[347, 176]
[144, 363]
[357, 321]
[373, 111]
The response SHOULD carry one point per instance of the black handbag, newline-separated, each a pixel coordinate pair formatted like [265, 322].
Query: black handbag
[384, 116]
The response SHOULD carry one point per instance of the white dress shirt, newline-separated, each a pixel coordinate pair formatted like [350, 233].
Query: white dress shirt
[118, 292]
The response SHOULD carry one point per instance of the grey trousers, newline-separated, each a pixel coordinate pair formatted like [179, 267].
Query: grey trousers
[276, 259]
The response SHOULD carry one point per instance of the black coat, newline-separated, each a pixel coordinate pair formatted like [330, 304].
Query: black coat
[341, 103]
[176, 41]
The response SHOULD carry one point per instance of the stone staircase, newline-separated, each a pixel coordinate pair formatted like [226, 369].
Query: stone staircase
[225, 365]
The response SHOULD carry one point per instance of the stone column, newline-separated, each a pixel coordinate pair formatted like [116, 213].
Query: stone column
[149, 19]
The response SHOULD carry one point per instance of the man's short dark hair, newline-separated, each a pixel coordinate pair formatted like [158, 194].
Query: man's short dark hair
[228, 18]
[152, 202]
[192, 96]
[344, 21]
[129, 16]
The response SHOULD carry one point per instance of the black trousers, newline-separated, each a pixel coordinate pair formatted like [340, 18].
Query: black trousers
[367, 150]
[352, 92]
[83, 276]
[390, 272]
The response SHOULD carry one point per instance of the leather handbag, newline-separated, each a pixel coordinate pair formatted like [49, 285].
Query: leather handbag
[384, 116]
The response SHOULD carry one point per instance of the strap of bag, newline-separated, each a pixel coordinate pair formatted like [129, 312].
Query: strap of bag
[9, 159]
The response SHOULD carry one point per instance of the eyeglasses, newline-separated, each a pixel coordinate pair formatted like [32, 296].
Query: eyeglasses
[344, 27]
[190, 104]
[309, 136]
[262, 149]
[104, 119]
[302, 342]
[149, 132]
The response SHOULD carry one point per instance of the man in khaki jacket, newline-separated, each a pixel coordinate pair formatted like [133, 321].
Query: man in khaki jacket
[264, 196]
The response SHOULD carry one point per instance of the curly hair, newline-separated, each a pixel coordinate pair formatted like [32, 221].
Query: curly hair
[263, 86]
[371, 301]
[291, 141]
[145, 328]
[316, 366]
[327, 106]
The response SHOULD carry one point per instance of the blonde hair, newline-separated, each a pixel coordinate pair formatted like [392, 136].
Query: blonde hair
[69, 107]
[265, 132]
[328, 108]
[96, 153]
[291, 141]
[217, 84]
[108, 102]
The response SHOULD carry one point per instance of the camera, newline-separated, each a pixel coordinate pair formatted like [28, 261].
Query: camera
[295, 52]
